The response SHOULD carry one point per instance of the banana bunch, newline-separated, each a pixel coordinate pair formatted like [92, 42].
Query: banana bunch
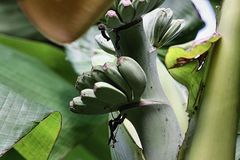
[164, 28]
[127, 11]
[108, 87]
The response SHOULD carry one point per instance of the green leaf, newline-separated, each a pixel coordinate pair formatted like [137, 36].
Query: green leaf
[80, 151]
[185, 9]
[40, 141]
[18, 116]
[53, 57]
[186, 64]
[34, 80]
[12, 154]
[14, 23]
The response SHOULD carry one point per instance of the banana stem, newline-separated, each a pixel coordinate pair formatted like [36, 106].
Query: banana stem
[216, 129]
[156, 124]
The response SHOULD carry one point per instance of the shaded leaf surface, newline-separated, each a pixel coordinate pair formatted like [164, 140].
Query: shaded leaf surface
[35, 81]
[18, 116]
[53, 57]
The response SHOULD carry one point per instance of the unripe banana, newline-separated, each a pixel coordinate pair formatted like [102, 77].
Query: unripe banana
[115, 4]
[84, 81]
[99, 75]
[111, 70]
[162, 24]
[105, 45]
[134, 75]
[173, 31]
[126, 11]
[88, 79]
[112, 19]
[80, 84]
[110, 94]
[94, 105]
[76, 105]
[140, 7]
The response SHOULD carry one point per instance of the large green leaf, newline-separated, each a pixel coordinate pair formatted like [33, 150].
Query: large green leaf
[53, 57]
[13, 22]
[18, 116]
[41, 140]
[34, 80]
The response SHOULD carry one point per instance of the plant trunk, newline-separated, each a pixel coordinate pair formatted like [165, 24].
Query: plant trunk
[216, 130]
[156, 125]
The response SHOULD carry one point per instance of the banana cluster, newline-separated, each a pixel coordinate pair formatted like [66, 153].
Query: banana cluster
[108, 87]
[126, 11]
[164, 28]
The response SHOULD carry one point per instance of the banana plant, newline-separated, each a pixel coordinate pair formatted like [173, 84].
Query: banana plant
[184, 107]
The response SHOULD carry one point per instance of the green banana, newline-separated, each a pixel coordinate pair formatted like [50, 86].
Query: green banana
[111, 70]
[110, 94]
[126, 11]
[76, 105]
[84, 81]
[98, 74]
[80, 84]
[173, 31]
[133, 74]
[112, 19]
[115, 4]
[139, 6]
[162, 24]
[93, 104]
[88, 79]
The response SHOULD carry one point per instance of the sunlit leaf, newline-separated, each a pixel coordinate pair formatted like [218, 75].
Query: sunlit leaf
[186, 63]
[41, 140]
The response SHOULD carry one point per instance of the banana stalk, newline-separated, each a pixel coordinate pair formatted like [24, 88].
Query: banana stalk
[216, 129]
[156, 125]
